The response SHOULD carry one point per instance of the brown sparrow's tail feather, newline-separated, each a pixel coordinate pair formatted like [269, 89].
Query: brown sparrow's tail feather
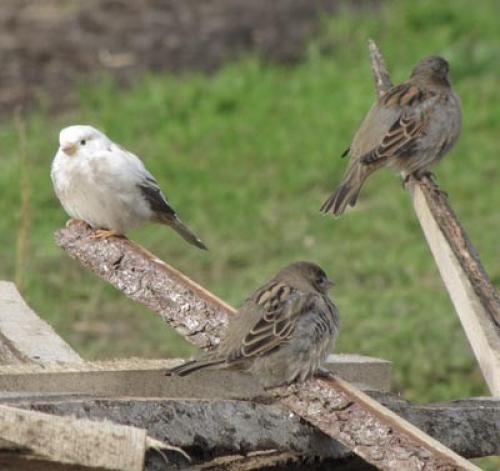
[192, 366]
[178, 226]
[348, 191]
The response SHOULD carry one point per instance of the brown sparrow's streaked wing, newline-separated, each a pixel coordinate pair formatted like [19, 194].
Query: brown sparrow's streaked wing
[408, 130]
[400, 140]
[281, 305]
[282, 333]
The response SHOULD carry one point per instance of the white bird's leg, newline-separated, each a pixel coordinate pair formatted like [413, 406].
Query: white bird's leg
[73, 221]
[101, 234]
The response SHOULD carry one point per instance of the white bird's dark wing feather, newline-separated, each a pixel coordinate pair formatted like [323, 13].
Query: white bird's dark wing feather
[154, 196]
[146, 183]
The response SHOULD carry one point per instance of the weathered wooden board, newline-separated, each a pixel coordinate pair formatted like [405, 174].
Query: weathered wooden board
[146, 378]
[470, 427]
[474, 304]
[98, 444]
[24, 337]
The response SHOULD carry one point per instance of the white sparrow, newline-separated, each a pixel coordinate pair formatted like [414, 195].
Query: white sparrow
[283, 331]
[108, 187]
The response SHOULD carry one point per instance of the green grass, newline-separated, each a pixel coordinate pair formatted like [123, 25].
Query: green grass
[247, 156]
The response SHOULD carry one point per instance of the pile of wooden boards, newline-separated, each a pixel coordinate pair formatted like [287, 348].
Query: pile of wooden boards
[59, 412]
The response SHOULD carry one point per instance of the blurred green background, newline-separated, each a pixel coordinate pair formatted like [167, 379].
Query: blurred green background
[246, 156]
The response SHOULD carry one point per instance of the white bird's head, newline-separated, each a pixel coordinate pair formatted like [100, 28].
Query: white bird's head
[82, 140]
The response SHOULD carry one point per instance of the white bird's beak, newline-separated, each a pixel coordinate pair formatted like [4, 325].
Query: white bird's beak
[69, 148]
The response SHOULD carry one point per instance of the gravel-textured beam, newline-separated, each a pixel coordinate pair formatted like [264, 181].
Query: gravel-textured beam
[207, 428]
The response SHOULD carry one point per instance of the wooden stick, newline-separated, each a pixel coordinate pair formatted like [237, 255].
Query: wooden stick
[134, 272]
[186, 306]
[380, 75]
[471, 291]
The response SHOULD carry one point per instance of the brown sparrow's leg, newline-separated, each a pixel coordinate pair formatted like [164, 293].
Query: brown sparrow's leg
[324, 373]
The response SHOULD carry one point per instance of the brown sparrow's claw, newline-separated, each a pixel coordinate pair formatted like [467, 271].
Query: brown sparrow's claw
[406, 180]
[324, 373]
[101, 234]
[427, 174]
[435, 187]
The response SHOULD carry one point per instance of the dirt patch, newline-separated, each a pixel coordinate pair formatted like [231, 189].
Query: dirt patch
[47, 45]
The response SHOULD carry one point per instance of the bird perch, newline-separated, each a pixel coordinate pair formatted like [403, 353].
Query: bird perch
[473, 295]
[335, 407]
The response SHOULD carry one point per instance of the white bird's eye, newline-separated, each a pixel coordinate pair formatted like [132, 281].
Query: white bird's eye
[83, 142]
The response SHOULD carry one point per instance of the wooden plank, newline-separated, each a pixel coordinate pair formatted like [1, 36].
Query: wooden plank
[74, 441]
[125, 378]
[476, 312]
[17, 461]
[438, 209]
[371, 430]
[143, 278]
[24, 337]
[137, 377]
[470, 427]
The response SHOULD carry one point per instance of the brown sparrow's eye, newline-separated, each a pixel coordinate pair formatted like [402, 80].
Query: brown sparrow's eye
[83, 142]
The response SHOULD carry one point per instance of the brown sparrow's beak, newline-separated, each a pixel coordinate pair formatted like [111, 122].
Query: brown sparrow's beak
[329, 284]
[69, 148]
